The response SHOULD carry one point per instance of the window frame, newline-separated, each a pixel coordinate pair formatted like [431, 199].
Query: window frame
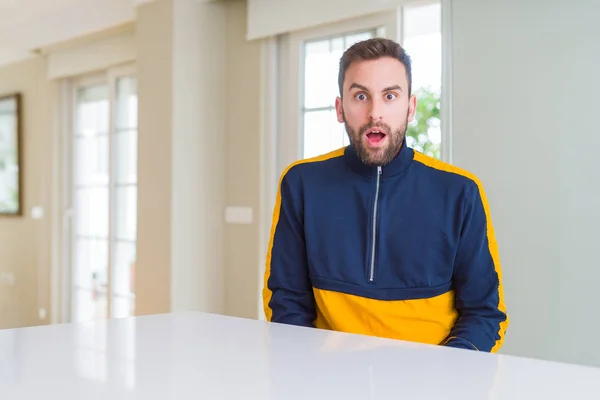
[279, 129]
[290, 140]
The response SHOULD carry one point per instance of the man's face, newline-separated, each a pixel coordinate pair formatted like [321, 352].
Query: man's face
[376, 108]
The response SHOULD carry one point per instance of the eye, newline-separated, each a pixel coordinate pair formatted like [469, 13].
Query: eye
[390, 96]
[360, 96]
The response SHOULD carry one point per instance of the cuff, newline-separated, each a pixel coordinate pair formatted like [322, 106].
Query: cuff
[460, 343]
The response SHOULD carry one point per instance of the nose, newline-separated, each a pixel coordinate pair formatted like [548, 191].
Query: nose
[375, 111]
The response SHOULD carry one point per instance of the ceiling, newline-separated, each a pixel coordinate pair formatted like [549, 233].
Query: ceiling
[29, 25]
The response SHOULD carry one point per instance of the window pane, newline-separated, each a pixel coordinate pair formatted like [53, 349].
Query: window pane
[89, 305]
[423, 42]
[337, 50]
[124, 269]
[122, 307]
[357, 37]
[322, 133]
[126, 107]
[91, 264]
[92, 110]
[91, 159]
[105, 176]
[126, 148]
[318, 74]
[91, 205]
[126, 213]
[321, 67]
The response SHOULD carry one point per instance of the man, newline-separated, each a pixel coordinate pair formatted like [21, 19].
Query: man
[379, 239]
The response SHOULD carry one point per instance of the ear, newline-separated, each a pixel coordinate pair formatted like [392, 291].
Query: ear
[412, 108]
[339, 109]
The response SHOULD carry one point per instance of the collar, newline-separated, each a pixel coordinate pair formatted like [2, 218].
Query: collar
[395, 167]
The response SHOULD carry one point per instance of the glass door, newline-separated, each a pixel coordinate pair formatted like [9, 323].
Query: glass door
[103, 199]
[91, 201]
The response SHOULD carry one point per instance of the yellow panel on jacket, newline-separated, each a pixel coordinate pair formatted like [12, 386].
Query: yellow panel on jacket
[422, 320]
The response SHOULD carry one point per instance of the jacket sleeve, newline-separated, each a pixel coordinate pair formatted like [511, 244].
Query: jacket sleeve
[287, 294]
[477, 280]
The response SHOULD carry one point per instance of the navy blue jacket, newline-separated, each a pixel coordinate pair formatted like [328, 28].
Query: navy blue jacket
[404, 251]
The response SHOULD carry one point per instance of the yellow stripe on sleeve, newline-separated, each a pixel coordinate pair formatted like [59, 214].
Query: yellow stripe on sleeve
[491, 237]
[266, 293]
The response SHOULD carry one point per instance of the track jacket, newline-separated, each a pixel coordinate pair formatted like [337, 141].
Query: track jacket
[405, 251]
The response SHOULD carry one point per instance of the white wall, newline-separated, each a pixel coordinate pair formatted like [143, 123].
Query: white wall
[181, 59]
[526, 86]
[198, 177]
[242, 164]
[25, 243]
[154, 45]
[274, 17]
[94, 53]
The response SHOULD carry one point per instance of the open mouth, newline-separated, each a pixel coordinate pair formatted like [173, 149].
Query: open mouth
[375, 135]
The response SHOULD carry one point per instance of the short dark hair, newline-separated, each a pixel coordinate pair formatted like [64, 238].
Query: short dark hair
[373, 49]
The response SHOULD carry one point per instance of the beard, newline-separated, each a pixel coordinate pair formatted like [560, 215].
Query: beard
[377, 156]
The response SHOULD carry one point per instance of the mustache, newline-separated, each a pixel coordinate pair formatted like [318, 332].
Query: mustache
[380, 125]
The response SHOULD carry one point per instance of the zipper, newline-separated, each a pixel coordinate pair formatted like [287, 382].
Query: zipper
[374, 232]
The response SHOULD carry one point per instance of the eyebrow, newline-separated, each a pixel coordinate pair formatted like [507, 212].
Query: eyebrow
[394, 87]
[387, 89]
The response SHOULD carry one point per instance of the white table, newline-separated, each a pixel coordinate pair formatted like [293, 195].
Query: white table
[203, 356]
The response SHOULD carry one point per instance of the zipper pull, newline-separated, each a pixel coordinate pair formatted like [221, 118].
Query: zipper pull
[379, 170]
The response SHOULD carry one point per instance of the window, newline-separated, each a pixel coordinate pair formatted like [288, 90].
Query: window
[422, 39]
[311, 59]
[307, 83]
[321, 131]
[301, 71]
[103, 196]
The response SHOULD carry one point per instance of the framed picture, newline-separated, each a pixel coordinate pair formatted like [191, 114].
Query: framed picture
[10, 155]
